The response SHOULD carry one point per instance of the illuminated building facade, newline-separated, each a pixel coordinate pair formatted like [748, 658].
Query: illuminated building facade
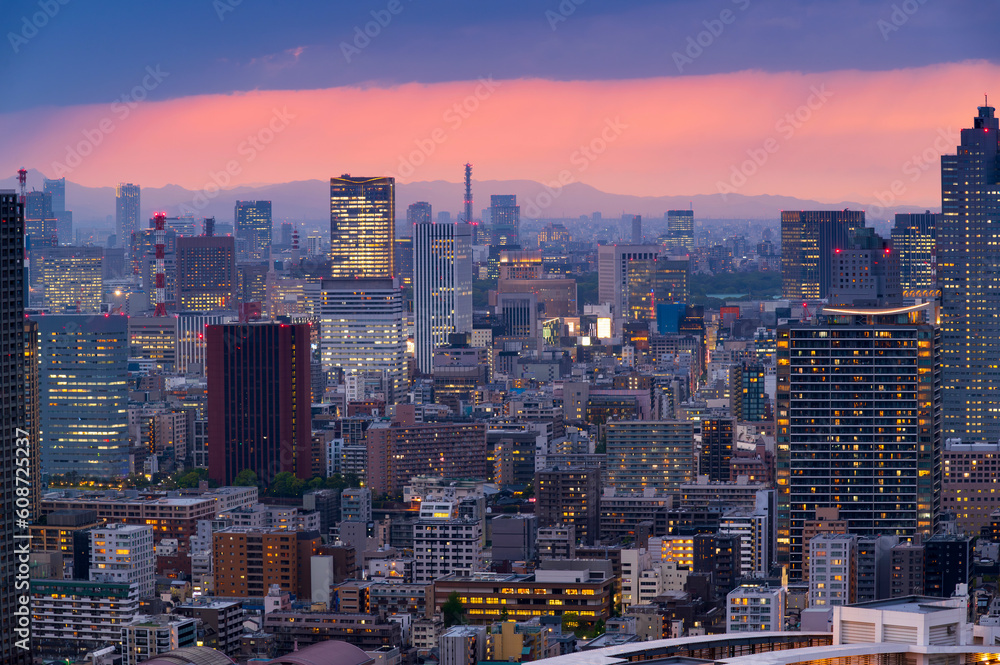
[84, 395]
[361, 330]
[968, 255]
[680, 230]
[914, 240]
[362, 227]
[206, 273]
[71, 277]
[153, 338]
[808, 240]
[126, 213]
[253, 226]
[656, 454]
[191, 342]
[859, 424]
[442, 287]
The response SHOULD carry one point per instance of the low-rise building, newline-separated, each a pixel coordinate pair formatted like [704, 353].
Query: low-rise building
[755, 609]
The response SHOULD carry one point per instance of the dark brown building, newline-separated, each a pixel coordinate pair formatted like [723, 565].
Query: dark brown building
[718, 441]
[248, 561]
[259, 399]
[570, 496]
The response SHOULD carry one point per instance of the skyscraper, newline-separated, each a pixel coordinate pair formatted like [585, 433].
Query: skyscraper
[84, 394]
[13, 646]
[419, 213]
[505, 220]
[969, 263]
[126, 213]
[258, 400]
[808, 239]
[680, 230]
[361, 331]
[64, 218]
[253, 226]
[362, 227]
[206, 273]
[914, 240]
[858, 423]
[442, 286]
[40, 223]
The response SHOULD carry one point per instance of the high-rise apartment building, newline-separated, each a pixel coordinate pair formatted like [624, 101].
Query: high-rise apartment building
[914, 240]
[253, 227]
[442, 286]
[858, 424]
[570, 496]
[808, 241]
[206, 273]
[12, 377]
[247, 561]
[968, 253]
[124, 554]
[126, 213]
[361, 330]
[655, 454]
[362, 227]
[833, 569]
[84, 395]
[718, 446]
[680, 230]
[505, 220]
[71, 279]
[259, 398]
[748, 401]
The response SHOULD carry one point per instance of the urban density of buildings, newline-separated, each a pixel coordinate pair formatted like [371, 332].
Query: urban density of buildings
[504, 435]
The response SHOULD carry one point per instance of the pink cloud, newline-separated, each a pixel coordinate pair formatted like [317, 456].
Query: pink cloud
[680, 136]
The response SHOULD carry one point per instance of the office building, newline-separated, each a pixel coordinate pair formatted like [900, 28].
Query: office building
[419, 213]
[252, 280]
[718, 444]
[865, 272]
[206, 273]
[124, 554]
[403, 259]
[84, 395]
[361, 331]
[570, 496]
[362, 227]
[861, 436]
[442, 286]
[971, 483]
[680, 230]
[56, 189]
[32, 412]
[505, 221]
[12, 376]
[146, 637]
[748, 401]
[967, 252]
[650, 454]
[755, 609]
[833, 569]
[259, 397]
[253, 227]
[126, 213]
[71, 278]
[633, 279]
[154, 338]
[191, 341]
[914, 240]
[808, 241]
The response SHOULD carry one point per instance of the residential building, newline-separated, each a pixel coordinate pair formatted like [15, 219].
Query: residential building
[463, 645]
[833, 569]
[755, 609]
[650, 453]
[145, 637]
[249, 561]
[570, 496]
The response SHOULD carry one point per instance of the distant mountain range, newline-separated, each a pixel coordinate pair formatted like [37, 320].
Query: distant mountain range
[308, 200]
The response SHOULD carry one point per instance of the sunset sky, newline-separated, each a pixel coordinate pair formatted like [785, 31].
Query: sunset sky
[829, 100]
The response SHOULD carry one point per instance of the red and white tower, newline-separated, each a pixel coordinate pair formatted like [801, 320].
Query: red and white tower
[159, 236]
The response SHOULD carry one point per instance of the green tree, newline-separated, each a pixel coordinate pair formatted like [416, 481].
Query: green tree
[245, 478]
[452, 610]
[286, 484]
[191, 478]
[315, 484]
